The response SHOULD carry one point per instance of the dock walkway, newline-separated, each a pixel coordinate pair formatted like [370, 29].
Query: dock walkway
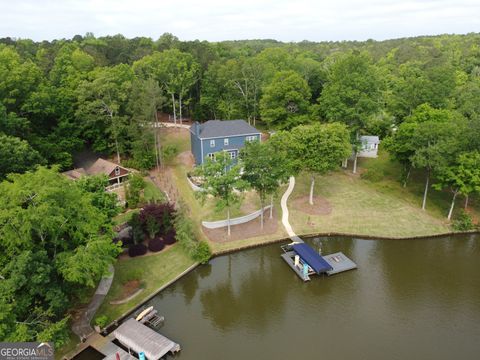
[338, 261]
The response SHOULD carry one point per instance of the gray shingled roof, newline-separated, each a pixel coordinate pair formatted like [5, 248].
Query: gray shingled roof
[221, 128]
[370, 139]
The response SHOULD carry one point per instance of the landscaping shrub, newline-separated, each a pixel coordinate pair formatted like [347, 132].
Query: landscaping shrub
[159, 217]
[202, 252]
[156, 244]
[152, 226]
[101, 321]
[170, 237]
[133, 190]
[463, 222]
[137, 230]
[137, 250]
[198, 251]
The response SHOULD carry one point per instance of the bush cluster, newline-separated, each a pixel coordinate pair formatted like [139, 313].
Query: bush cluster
[156, 244]
[197, 250]
[137, 250]
[170, 237]
[463, 222]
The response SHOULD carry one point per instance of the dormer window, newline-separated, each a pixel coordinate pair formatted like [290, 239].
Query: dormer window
[117, 171]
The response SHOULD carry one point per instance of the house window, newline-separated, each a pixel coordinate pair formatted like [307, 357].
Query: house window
[211, 156]
[117, 171]
[251, 138]
[233, 154]
[225, 142]
[212, 143]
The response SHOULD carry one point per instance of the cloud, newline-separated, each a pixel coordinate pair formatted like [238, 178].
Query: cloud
[216, 20]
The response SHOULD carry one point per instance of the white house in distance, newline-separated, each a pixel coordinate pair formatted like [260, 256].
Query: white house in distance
[369, 147]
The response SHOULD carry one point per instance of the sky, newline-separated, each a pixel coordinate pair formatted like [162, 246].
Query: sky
[216, 20]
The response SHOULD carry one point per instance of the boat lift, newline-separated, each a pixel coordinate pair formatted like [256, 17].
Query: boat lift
[306, 262]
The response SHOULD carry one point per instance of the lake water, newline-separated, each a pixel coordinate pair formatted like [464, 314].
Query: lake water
[408, 299]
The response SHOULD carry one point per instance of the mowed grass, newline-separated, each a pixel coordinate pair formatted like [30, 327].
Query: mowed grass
[207, 211]
[152, 271]
[358, 208]
[381, 208]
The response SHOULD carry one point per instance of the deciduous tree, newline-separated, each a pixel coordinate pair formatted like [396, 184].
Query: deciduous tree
[221, 177]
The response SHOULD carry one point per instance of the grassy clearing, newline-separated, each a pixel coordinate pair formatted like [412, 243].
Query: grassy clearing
[438, 202]
[124, 217]
[152, 193]
[152, 271]
[359, 208]
[380, 208]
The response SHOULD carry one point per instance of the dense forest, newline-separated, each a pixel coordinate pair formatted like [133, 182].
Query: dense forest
[59, 97]
[420, 95]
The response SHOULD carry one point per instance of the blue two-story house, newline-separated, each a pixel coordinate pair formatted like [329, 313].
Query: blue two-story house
[220, 135]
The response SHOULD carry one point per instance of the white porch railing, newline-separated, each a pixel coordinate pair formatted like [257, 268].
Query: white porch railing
[110, 188]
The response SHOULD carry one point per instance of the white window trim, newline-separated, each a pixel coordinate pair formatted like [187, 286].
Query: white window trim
[251, 138]
[117, 171]
[212, 143]
[225, 141]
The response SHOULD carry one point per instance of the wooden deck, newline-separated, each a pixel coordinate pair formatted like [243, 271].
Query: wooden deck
[339, 262]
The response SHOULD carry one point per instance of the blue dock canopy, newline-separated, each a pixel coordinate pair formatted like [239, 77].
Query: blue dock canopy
[312, 258]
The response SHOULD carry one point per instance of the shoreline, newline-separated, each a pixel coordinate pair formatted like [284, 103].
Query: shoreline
[127, 313]
[274, 241]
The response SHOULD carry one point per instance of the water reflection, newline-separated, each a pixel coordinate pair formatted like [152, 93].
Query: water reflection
[258, 297]
[415, 299]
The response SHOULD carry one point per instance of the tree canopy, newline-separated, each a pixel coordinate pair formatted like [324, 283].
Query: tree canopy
[55, 243]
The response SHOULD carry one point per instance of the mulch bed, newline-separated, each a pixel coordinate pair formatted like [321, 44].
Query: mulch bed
[321, 206]
[129, 288]
[244, 231]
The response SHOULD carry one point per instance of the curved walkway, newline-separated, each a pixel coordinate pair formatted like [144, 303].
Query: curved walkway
[285, 214]
[82, 327]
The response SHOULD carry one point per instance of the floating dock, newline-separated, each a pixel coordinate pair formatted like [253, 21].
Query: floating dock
[339, 263]
[306, 262]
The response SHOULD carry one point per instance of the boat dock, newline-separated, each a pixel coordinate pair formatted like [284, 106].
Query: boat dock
[138, 337]
[339, 263]
[306, 262]
[131, 340]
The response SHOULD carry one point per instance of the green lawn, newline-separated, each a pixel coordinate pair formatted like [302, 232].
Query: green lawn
[380, 208]
[152, 193]
[360, 208]
[124, 217]
[152, 271]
